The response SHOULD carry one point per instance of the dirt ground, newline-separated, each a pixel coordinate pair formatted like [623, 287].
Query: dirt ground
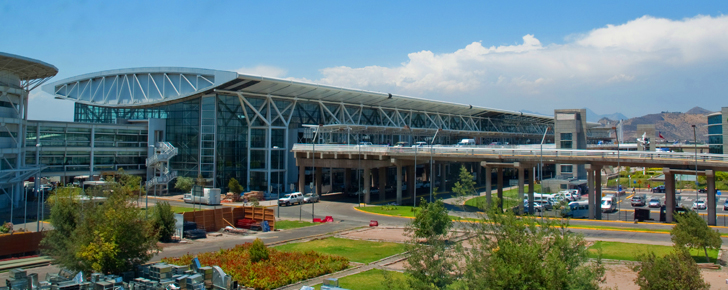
[378, 234]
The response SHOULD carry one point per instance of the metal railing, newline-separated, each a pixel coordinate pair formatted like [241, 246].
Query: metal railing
[512, 151]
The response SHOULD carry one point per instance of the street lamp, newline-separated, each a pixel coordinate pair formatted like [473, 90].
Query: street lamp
[695, 140]
[414, 145]
[616, 135]
[36, 185]
[316, 186]
[278, 208]
[432, 181]
[146, 195]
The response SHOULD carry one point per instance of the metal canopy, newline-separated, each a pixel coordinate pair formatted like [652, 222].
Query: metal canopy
[151, 86]
[318, 92]
[26, 68]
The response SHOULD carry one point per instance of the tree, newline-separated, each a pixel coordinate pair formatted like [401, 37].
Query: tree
[234, 186]
[510, 252]
[692, 231]
[431, 260]
[465, 184]
[108, 237]
[676, 270]
[431, 220]
[184, 184]
[164, 221]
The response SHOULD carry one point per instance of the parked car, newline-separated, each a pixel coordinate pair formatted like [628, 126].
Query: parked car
[401, 144]
[655, 202]
[310, 197]
[703, 190]
[699, 204]
[658, 189]
[365, 143]
[420, 144]
[545, 204]
[725, 205]
[291, 198]
[639, 200]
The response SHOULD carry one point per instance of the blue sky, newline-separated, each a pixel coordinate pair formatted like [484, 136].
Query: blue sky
[634, 57]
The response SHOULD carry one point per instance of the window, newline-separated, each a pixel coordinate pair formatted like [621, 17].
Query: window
[566, 141]
[567, 168]
[257, 138]
[715, 119]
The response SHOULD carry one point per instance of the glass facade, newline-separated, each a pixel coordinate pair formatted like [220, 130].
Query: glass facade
[715, 134]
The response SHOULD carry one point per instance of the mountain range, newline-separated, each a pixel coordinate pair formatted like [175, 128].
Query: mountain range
[674, 126]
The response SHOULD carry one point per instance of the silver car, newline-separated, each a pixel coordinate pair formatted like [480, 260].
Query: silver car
[654, 203]
[310, 197]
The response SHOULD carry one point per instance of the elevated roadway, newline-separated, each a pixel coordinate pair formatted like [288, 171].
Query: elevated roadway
[368, 157]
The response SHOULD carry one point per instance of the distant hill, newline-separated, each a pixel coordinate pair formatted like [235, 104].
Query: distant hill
[674, 126]
[594, 117]
[698, 111]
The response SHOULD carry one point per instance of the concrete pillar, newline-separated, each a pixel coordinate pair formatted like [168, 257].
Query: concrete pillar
[382, 183]
[669, 194]
[499, 178]
[488, 185]
[319, 179]
[531, 188]
[347, 180]
[398, 179]
[592, 191]
[411, 181]
[597, 192]
[302, 179]
[521, 173]
[367, 184]
[710, 178]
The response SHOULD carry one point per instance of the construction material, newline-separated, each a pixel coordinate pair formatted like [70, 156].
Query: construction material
[20, 243]
[213, 220]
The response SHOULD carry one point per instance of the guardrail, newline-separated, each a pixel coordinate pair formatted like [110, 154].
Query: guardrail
[511, 151]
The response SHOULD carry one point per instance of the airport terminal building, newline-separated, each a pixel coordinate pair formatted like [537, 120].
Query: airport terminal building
[165, 122]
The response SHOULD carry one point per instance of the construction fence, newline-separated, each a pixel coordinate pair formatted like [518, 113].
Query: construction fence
[213, 220]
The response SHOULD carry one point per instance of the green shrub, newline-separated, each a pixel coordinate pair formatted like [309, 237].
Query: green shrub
[258, 251]
[164, 221]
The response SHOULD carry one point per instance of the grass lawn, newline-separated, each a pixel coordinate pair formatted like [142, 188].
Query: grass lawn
[508, 196]
[354, 250]
[403, 211]
[372, 279]
[630, 252]
[182, 209]
[285, 225]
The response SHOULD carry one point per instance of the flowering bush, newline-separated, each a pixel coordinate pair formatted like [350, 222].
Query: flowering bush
[280, 269]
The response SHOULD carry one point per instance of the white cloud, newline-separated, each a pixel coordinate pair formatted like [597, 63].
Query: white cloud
[637, 54]
[263, 70]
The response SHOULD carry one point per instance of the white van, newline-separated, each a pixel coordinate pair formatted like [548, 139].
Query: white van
[577, 209]
[609, 203]
[466, 142]
[567, 195]
[210, 196]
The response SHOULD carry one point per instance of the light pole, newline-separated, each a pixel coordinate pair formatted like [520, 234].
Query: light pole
[316, 186]
[432, 181]
[414, 189]
[146, 195]
[278, 208]
[695, 140]
[540, 170]
[616, 135]
[358, 174]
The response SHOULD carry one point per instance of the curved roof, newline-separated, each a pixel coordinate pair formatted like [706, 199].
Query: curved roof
[26, 68]
[155, 85]
[137, 86]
